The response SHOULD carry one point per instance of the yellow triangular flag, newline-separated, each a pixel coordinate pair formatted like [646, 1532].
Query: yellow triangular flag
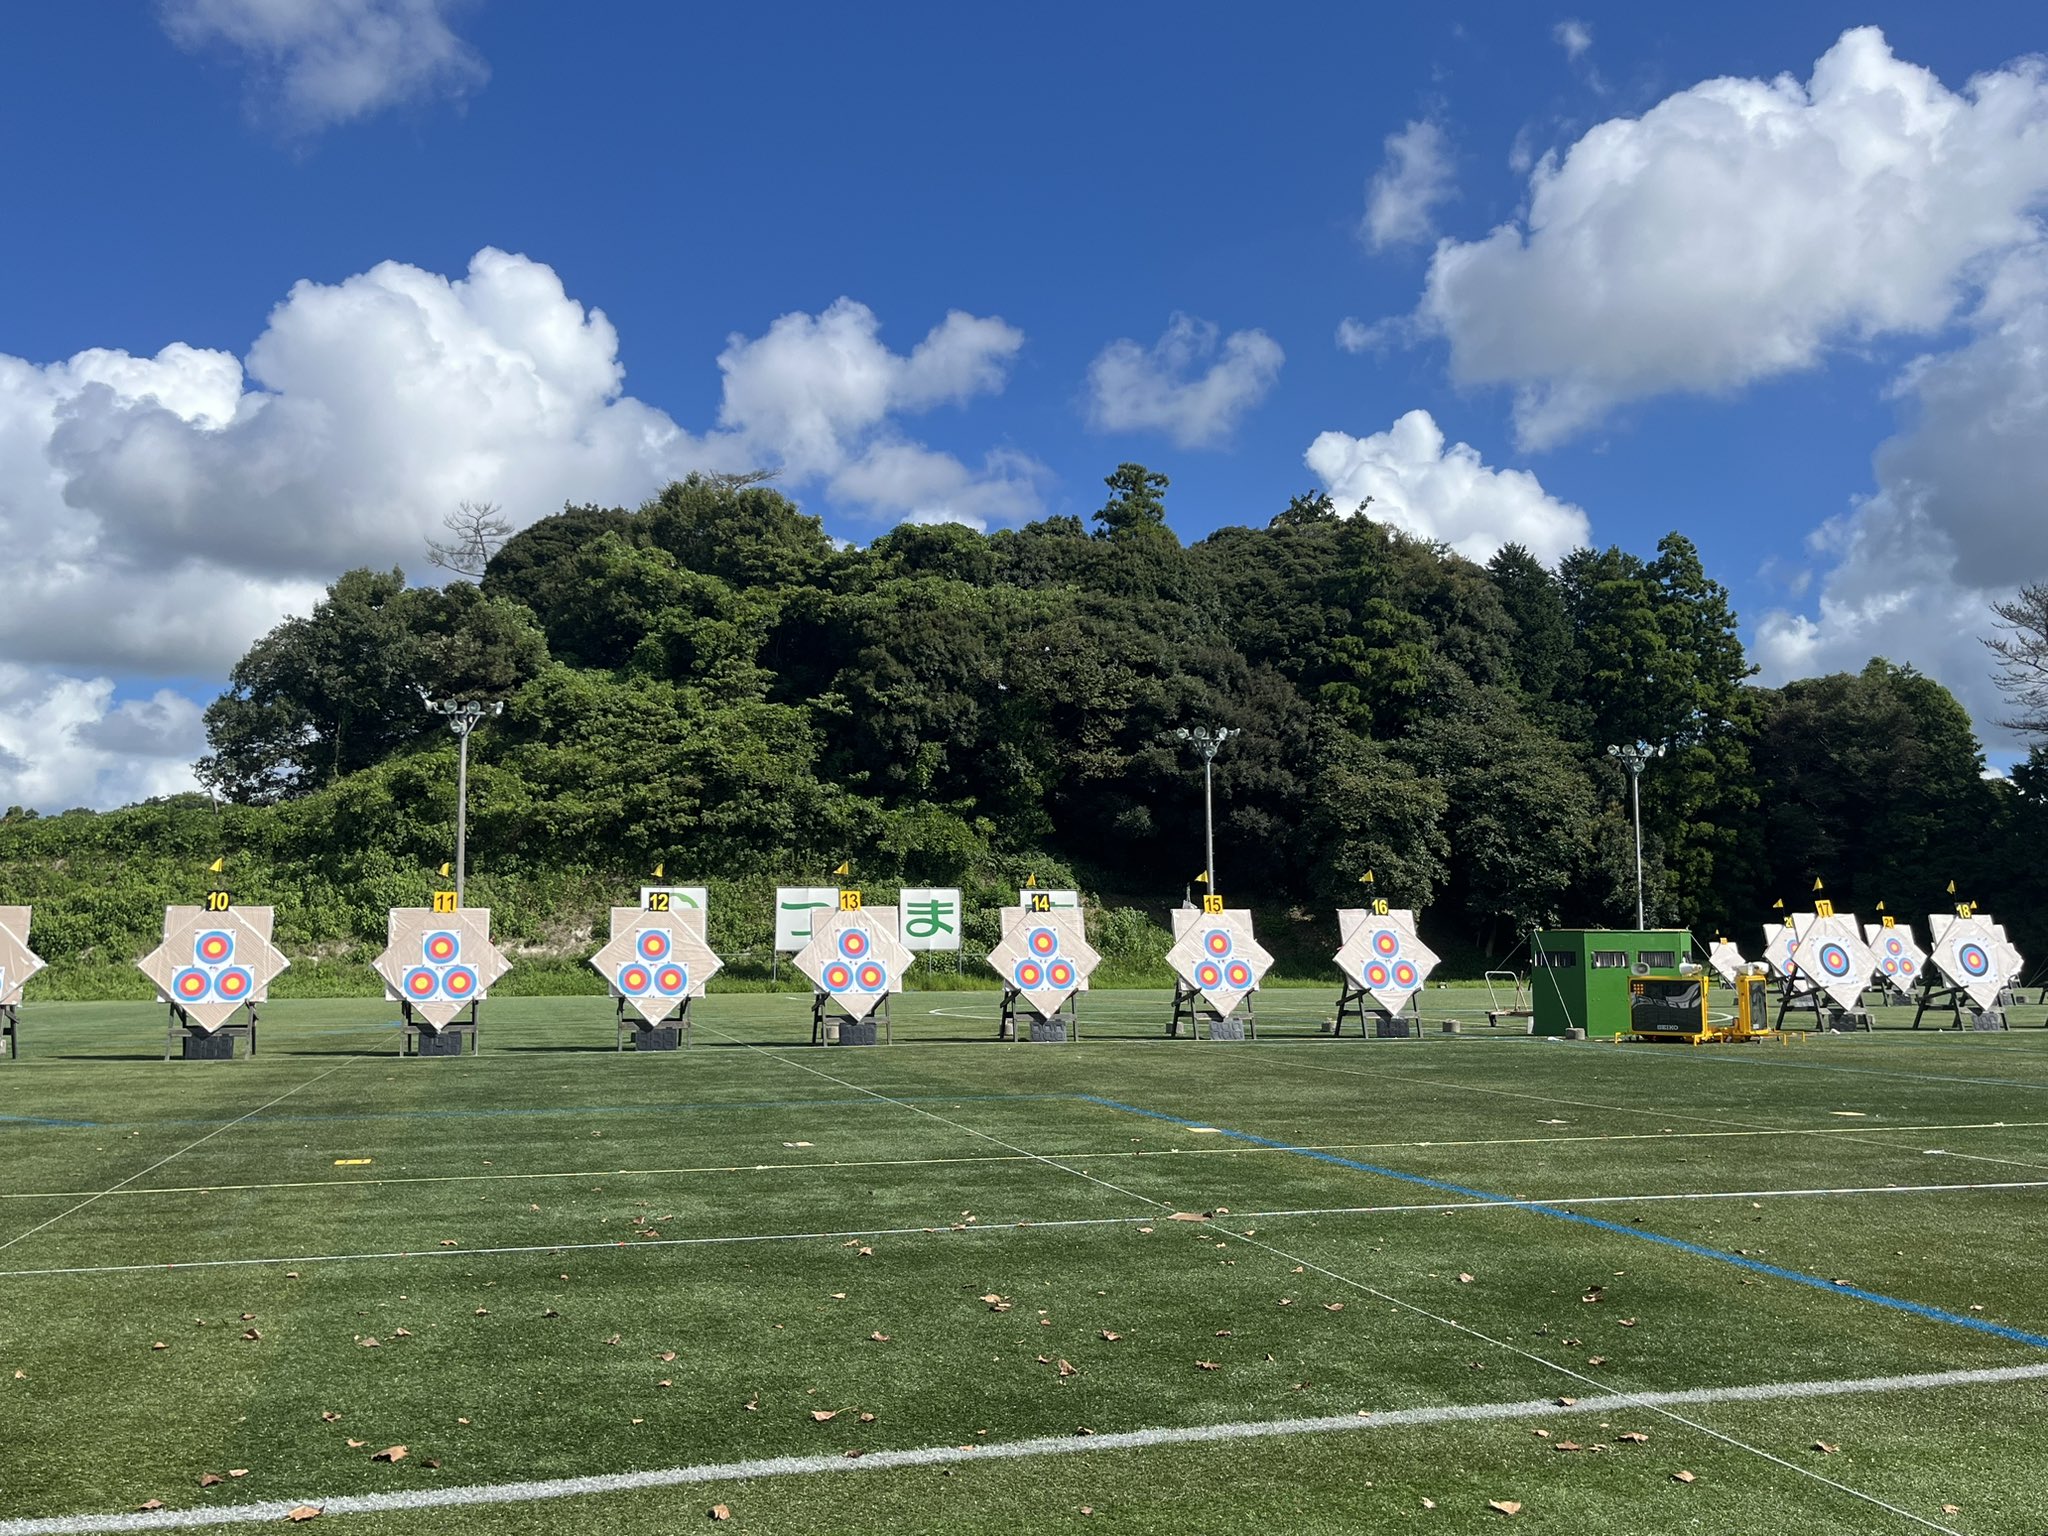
[845, 867]
[215, 868]
[1778, 906]
[1816, 883]
[659, 870]
[1030, 881]
[1366, 878]
[447, 870]
[1880, 906]
[1951, 887]
[1203, 877]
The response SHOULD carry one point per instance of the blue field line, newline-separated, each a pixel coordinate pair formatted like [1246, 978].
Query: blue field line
[1757, 1266]
[554, 1109]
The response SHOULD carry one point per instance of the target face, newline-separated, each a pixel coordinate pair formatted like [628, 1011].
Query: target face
[459, 981]
[1043, 942]
[1834, 959]
[421, 983]
[442, 947]
[1208, 976]
[192, 985]
[1894, 946]
[1238, 974]
[634, 980]
[1060, 974]
[1906, 967]
[1387, 942]
[234, 983]
[215, 947]
[672, 981]
[653, 944]
[1377, 975]
[1030, 975]
[871, 976]
[1216, 942]
[1404, 975]
[1973, 959]
[853, 943]
[838, 977]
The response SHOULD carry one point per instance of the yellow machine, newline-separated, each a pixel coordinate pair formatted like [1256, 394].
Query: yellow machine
[1672, 1005]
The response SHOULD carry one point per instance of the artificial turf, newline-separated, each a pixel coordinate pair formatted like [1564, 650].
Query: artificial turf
[577, 1262]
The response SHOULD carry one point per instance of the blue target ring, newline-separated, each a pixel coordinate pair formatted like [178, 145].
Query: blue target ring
[1973, 959]
[1834, 959]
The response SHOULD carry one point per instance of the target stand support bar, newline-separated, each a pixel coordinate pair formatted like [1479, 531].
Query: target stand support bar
[419, 1038]
[664, 1034]
[10, 1029]
[1241, 1023]
[204, 1039]
[846, 1029]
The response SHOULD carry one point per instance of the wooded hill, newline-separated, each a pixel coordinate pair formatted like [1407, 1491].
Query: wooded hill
[713, 683]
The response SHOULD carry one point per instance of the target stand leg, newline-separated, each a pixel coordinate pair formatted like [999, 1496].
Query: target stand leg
[1185, 1002]
[10, 1026]
[1006, 1020]
[1350, 1005]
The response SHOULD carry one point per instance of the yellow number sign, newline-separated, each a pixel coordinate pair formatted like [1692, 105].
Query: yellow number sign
[1212, 904]
[217, 901]
[447, 901]
[1379, 906]
[1041, 902]
[657, 901]
[849, 901]
[1823, 908]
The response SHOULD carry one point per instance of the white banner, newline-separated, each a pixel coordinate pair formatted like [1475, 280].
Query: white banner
[796, 906]
[681, 898]
[1055, 901]
[931, 917]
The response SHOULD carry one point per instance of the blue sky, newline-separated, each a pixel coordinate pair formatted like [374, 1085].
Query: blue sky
[1798, 314]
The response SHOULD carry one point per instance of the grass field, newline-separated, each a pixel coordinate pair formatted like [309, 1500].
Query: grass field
[954, 1285]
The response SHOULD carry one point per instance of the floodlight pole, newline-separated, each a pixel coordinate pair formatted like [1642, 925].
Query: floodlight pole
[1635, 758]
[463, 716]
[1206, 742]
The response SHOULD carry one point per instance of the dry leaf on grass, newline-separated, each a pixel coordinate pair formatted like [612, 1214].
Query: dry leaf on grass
[1110, 1337]
[666, 1356]
[483, 1311]
[1333, 1306]
[1429, 1503]
[357, 1445]
[1567, 1445]
[248, 1317]
[1633, 1437]
[865, 1252]
[369, 1341]
[447, 1242]
[615, 1339]
[149, 1504]
[329, 1416]
[1596, 1359]
[1682, 1477]
[820, 1415]
[209, 1479]
[299, 1514]
[1824, 1447]
[720, 1512]
[665, 1383]
[238, 1471]
[1504, 1506]
[1207, 1365]
[390, 1453]
[401, 1333]
[878, 1338]
[1067, 1369]
[1186, 1216]
[252, 1333]
[1464, 1279]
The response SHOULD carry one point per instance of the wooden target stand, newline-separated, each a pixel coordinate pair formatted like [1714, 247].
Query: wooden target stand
[875, 1029]
[1935, 997]
[418, 1037]
[1020, 1021]
[1241, 1023]
[668, 1032]
[202, 1044]
[10, 1029]
[1355, 1002]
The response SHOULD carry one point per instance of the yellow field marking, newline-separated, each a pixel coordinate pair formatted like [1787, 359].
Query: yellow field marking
[353, 1162]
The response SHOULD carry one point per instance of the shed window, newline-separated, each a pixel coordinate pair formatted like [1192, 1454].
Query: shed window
[1659, 959]
[1557, 962]
[1610, 959]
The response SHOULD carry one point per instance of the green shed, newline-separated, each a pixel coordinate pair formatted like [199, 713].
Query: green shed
[1578, 977]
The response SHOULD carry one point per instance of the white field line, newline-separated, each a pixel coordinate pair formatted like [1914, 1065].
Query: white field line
[1231, 1150]
[173, 1156]
[1364, 1420]
[957, 1228]
[1979, 1157]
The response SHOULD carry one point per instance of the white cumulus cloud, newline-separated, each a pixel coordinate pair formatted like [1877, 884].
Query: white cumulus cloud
[64, 742]
[1448, 494]
[1165, 387]
[1401, 202]
[1741, 227]
[315, 63]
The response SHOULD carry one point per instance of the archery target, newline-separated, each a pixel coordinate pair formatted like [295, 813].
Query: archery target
[653, 944]
[1376, 974]
[214, 947]
[421, 982]
[1208, 975]
[1060, 974]
[459, 980]
[1238, 974]
[838, 977]
[1383, 954]
[441, 948]
[672, 980]
[1973, 959]
[234, 983]
[1834, 959]
[853, 943]
[1386, 942]
[635, 979]
[1043, 942]
[1405, 976]
[192, 985]
[1216, 943]
[1029, 975]
[871, 976]
[1043, 957]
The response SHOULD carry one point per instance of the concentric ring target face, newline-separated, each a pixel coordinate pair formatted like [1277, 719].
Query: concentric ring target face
[1238, 974]
[1043, 942]
[872, 976]
[1973, 959]
[1404, 974]
[1387, 942]
[853, 943]
[634, 980]
[1376, 974]
[234, 983]
[1834, 959]
[1890, 967]
[1894, 945]
[1060, 974]
[1906, 967]
[1208, 975]
[214, 947]
[1030, 975]
[459, 981]
[672, 981]
[1217, 943]
[421, 982]
[442, 947]
[191, 985]
[653, 944]
[838, 976]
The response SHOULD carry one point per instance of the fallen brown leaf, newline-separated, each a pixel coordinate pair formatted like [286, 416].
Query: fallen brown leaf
[208, 1479]
[1566, 1402]
[1333, 1306]
[392, 1453]
[1464, 1279]
[357, 1445]
[238, 1471]
[1110, 1337]
[329, 1416]
[149, 1504]
[1682, 1477]
[878, 1338]
[820, 1415]
[369, 1341]
[248, 1317]
[1429, 1503]
[1207, 1365]
[1186, 1216]
[865, 1253]
[1633, 1437]
[666, 1356]
[401, 1333]
[1567, 1445]
[1596, 1359]
[252, 1333]
[720, 1512]
[1825, 1448]
[1067, 1369]
[447, 1242]
[1504, 1506]
[483, 1311]
[299, 1514]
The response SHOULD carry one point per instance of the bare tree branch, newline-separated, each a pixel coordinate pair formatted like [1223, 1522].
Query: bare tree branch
[2022, 652]
[476, 533]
